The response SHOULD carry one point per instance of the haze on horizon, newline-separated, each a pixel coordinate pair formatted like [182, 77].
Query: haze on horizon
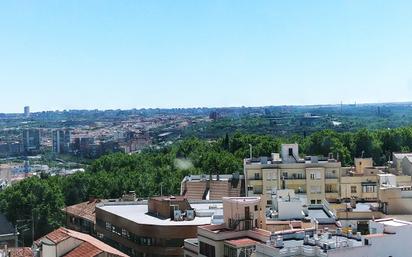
[59, 55]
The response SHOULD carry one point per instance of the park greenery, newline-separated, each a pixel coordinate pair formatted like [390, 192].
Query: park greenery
[42, 198]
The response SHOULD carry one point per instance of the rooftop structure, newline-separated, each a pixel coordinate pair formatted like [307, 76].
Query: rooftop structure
[214, 187]
[154, 227]
[385, 239]
[82, 217]
[243, 218]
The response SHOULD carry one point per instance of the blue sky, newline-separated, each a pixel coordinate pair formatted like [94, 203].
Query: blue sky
[133, 54]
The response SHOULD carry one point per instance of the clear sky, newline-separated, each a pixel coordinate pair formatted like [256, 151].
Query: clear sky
[57, 55]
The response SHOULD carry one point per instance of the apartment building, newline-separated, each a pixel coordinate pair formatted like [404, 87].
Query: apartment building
[156, 227]
[31, 140]
[317, 177]
[246, 224]
[82, 217]
[61, 141]
[237, 236]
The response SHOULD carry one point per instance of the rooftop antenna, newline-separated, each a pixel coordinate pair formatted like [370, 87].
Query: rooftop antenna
[362, 153]
[250, 151]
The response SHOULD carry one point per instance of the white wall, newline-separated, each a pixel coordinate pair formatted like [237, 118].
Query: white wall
[290, 210]
[388, 245]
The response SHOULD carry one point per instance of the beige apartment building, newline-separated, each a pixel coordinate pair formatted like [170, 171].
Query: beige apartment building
[318, 177]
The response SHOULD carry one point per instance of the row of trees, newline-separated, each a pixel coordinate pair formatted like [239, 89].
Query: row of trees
[147, 172]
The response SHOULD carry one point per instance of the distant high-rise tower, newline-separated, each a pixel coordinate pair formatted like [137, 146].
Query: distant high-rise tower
[61, 141]
[31, 140]
[27, 111]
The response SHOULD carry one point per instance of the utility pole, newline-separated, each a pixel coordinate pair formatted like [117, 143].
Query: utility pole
[32, 225]
[161, 189]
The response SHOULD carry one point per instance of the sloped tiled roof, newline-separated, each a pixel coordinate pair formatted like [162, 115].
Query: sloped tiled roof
[93, 244]
[84, 250]
[85, 210]
[57, 235]
[21, 252]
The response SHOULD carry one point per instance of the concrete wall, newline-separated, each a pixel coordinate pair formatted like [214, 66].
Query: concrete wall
[406, 166]
[235, 209]
[362, 163]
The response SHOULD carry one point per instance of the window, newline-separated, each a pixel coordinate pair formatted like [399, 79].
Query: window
[145, 241]
[125, 233]
[318, 201]
[329, 188]
[315, 175]
[369, 189]
[312, 201]
[108, 226]
[207, 250]
[257, 176]
[353, 189]
[290, 152]
[116, 230]
[230, 251]
[285, 175]
[256, 208]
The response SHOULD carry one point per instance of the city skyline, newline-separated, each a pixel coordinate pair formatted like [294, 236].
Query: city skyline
[101, 55]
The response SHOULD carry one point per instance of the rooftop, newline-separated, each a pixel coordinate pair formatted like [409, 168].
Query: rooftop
[85, 210]
[223, 177]
[84, 250]
[21, 252]
[90, 246]
[138, 212]
[242, 242]
[393, 222]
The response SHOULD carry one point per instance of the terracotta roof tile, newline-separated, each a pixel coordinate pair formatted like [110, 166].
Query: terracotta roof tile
[57, 235]
[21, 252]
[84, 250]
[85, 210]
[242, 242]
[93, 244]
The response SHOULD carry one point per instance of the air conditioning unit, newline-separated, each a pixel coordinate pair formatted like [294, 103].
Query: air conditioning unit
[177, 215]
[278, 242]
[190, 214]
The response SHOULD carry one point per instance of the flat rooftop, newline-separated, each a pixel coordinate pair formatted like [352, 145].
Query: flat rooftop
[394, 222]
[138, 213]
